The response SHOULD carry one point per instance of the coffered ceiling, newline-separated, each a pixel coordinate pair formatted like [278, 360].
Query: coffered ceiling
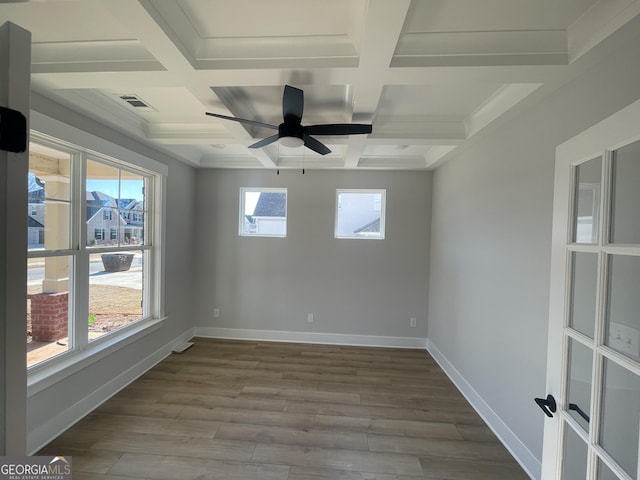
[430, 75]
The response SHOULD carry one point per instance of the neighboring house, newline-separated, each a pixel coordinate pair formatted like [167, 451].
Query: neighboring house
[104, 225]
[109, 220]
[35, 212]
[269, 216]
[36, 232]
[132, 211]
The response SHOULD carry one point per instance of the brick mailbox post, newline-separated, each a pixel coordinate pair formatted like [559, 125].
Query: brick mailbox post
[49, 316]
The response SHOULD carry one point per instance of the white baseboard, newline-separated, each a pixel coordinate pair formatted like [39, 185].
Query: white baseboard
[520, 452]
[46, 432]
[310, 337]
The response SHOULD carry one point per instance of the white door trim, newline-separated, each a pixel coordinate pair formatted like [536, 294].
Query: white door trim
[15, 81]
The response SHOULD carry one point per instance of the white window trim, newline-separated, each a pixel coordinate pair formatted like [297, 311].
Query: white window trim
[383, 213]
[55, 369]
[51, 132]
[241, 216]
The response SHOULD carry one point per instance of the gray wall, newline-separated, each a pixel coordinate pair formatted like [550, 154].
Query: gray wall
[362, 287]
[491, 240]
[68, 398]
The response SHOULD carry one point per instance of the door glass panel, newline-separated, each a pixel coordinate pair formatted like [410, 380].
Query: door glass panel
[623, 305]
[574, 463]
[604, 472]
[584, 270]
[620, 423]
[587, 201]
[579, 388]
[625, 201]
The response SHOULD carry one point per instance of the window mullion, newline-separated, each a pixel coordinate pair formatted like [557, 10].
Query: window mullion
[81, 281]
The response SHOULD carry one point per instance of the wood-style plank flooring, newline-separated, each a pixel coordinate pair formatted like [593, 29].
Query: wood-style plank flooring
[240, 410]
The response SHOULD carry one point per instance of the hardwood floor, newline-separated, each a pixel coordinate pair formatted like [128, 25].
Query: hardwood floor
[235, 410]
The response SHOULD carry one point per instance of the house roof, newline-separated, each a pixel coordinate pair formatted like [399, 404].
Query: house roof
[373, 227]
[271, 204]
[101, 199]
[33, 223]
[36, 185]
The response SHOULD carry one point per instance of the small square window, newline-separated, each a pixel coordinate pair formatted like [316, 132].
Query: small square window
[99, 234]
[360, 214]
[106, 214]
[263, 212]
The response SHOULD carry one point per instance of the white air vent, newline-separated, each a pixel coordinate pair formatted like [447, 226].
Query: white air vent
[136, 103]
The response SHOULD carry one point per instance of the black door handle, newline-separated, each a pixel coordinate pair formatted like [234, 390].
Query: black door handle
[579, 411]
[548, 405]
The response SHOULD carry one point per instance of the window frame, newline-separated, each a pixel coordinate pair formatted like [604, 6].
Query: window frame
[83, 352]
[242, 215]
[383, 213]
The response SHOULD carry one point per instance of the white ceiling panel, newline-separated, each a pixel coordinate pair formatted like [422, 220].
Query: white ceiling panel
[493, 15]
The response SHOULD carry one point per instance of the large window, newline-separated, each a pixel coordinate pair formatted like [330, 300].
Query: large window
[263, 212]
[93, 256]
[360, 214]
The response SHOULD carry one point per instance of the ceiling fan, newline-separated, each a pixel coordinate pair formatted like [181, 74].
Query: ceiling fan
[291, 132]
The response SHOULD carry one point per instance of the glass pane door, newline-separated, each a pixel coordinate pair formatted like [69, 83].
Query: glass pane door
[600, 406]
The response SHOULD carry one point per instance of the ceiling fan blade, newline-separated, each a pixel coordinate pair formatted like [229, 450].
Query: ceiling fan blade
[338, 129]
[244, 120]
[315, 145]
[292, 104]
[265, 142]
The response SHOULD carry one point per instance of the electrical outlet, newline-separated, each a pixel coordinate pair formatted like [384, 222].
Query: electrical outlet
[216, 313]
[412, 322]
[310, 317]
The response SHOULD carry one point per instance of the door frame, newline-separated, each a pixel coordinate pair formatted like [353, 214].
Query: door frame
[15, 81]
[619, 129]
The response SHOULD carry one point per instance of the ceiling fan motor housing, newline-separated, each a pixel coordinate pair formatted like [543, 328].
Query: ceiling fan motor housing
[290, 130]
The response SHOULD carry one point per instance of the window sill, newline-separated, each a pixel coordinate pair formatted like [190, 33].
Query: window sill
[69, 363]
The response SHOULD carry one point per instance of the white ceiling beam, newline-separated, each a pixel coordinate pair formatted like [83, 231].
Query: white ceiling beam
[354, 152]
[498, 104]
[257, 77]
[265, 158]
[392, 163]
[382, 28]
[147, 30]
[599, 22]
[435, 155]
